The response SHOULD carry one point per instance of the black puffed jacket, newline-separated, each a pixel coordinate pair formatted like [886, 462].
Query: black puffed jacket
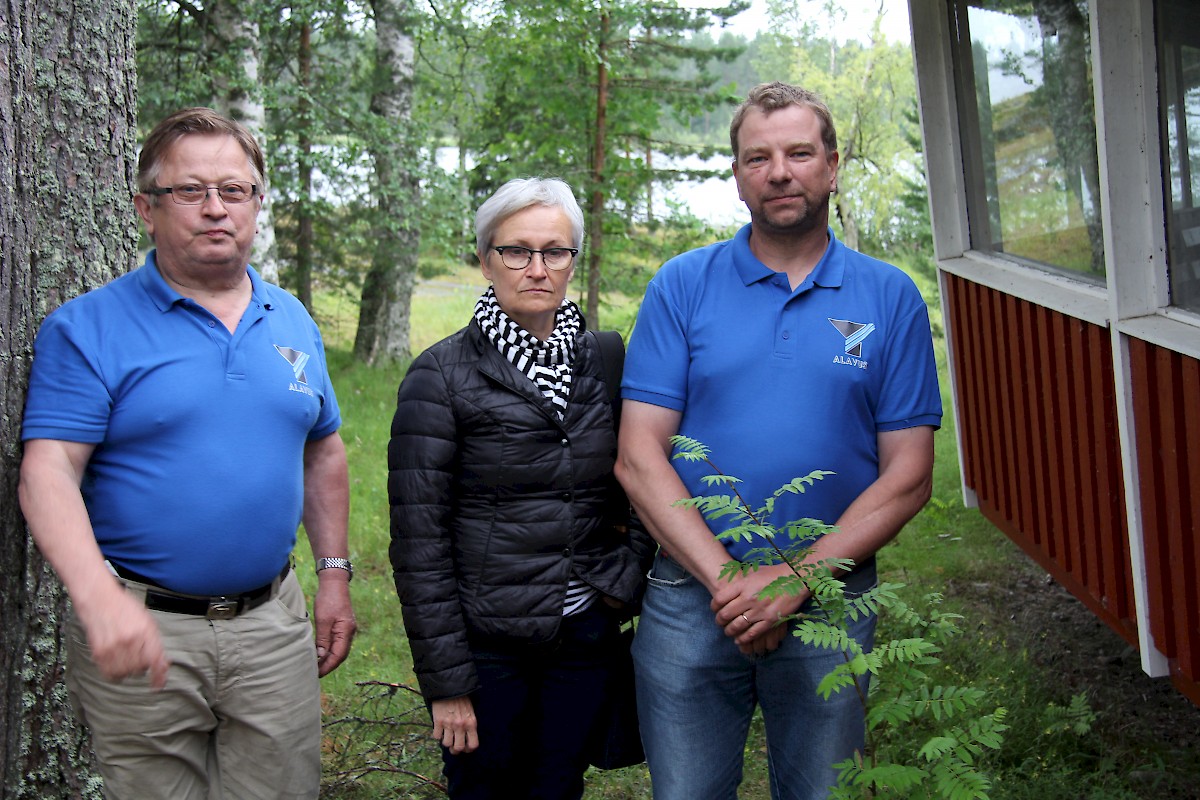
[495, 502]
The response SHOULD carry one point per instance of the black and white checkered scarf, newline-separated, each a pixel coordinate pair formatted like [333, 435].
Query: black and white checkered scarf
[548, 363]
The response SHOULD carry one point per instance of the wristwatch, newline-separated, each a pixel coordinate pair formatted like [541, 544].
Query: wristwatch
[336, 563]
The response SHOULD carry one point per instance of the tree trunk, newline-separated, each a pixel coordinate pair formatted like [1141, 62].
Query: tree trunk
[305, 238]
[650, 182]
[845, 215]
[596, 203]
[464, 196]
[234, 31]
[67, 128]
[383, 317]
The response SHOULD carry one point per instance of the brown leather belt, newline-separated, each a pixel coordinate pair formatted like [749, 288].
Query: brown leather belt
[159, 598]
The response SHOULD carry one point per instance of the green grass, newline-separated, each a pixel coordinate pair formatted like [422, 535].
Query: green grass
[946, 547]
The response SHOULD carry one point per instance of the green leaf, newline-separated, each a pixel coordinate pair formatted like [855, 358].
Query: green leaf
[937, 747]
[834, 682]
[892, 780]
[783, 586]
[821, 581]
[688, 449]
[957, 781]
[859, 664]
[822, 634]
[889, 711]
[719, 480]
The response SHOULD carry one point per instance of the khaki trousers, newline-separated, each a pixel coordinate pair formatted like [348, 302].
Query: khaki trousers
[239, 719]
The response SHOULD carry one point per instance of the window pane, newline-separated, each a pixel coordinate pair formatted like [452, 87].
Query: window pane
[1179, 68]
[1031, 66]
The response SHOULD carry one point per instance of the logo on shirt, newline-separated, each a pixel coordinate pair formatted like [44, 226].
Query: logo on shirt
[298, 361]
[855, 333]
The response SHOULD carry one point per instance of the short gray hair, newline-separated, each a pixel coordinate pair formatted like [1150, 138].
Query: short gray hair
[518, 195]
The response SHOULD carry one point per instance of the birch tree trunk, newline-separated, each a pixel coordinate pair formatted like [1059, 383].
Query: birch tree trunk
[236, 32]
[383, 317]
[68, 117]
[597, 199]
[305, 237]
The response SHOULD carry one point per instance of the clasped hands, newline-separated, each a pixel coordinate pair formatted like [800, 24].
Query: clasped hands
[751, 621]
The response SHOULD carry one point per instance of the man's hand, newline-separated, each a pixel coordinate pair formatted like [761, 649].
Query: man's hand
[454, 724]
[122, 635]
[334, 619]
[124, 638]
[326, 515]
[753, 622]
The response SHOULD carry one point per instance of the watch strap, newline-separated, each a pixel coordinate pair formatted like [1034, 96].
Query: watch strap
[335, 563]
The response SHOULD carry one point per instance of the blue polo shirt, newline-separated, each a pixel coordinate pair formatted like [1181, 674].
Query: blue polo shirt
[778, 383]
[197, 478]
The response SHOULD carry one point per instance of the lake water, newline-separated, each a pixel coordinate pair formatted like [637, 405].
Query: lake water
[714, 200]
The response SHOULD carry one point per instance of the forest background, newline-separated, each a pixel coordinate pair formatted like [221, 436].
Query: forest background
[387, 123]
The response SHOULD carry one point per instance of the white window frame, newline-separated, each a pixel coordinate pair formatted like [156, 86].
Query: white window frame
[1133, 302]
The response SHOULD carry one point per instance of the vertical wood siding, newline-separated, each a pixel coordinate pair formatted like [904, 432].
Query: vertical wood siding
[1167, 421]
[1040, 443]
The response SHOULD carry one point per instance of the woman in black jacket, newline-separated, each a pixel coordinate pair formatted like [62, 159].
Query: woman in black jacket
[511, 547]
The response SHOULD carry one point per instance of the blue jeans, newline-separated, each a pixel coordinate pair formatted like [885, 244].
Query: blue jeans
[696, 694]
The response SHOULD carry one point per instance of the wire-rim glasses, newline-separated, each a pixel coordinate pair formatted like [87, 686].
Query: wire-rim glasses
[194, 194]
[555, 258]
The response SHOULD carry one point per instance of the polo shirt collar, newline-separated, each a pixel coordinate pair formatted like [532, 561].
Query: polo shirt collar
[828, 272]
[164, 297]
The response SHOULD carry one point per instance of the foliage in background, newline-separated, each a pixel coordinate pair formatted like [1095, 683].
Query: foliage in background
[317, 167]
[870, 89]
[581, 91]
[621, 98]
[707, 126]
[905, 691]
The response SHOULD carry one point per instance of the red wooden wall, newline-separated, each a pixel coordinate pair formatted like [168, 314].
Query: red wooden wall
[1167, 420]
[1038, 430]
[1041, 449]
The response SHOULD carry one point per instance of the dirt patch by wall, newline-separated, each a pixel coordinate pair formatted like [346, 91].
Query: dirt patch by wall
[1136, 715]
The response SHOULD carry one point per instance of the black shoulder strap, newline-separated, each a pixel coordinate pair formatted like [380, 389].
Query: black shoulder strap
[612, 359]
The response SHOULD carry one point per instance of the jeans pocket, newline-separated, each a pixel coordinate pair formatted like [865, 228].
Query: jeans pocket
[666, 573]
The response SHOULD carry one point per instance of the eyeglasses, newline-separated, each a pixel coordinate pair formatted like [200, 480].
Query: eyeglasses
[194, 194]
[555, 258]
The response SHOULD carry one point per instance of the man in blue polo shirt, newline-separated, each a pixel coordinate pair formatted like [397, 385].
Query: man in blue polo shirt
[180, 424]
[784, 352]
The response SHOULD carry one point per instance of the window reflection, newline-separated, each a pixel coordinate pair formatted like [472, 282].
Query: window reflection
[1179, 71]
[1035, 155]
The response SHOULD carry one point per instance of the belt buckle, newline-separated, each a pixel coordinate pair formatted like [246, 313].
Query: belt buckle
[222, 608]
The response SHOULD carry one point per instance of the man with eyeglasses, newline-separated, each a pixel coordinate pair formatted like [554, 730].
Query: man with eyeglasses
[180, 425]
